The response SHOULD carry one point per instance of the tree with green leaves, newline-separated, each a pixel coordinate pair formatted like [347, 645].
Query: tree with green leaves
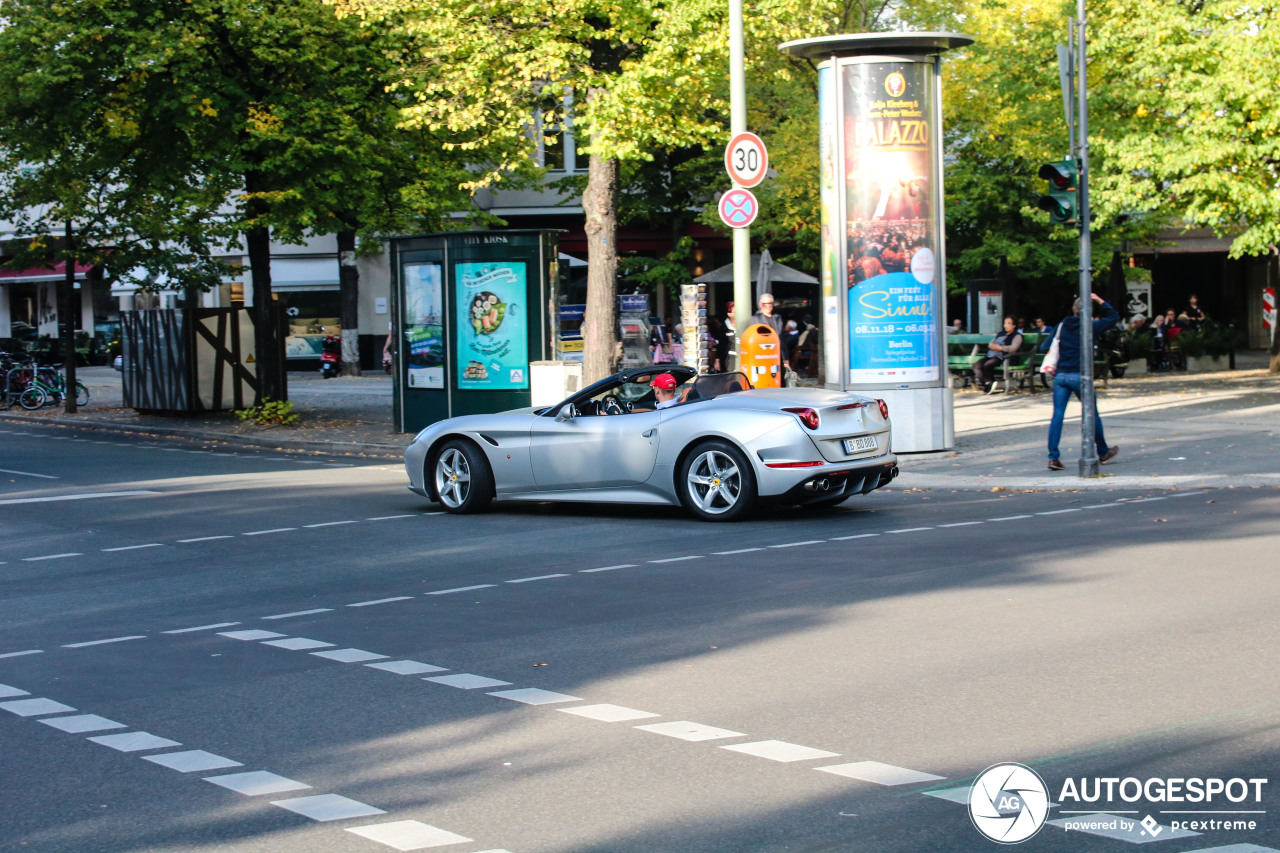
[643, 75]
[219, 120]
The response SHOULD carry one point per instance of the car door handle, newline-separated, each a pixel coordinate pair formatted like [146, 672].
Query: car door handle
[649, 433]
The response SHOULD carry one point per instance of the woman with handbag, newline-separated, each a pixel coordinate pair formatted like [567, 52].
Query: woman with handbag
[1063, 364]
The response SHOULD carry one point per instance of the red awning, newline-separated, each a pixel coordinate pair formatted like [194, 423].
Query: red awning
[58, 272]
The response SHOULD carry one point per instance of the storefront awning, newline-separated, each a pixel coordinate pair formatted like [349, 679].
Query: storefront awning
[58, 272]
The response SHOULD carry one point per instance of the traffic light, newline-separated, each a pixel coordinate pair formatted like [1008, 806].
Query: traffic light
[1062, 201]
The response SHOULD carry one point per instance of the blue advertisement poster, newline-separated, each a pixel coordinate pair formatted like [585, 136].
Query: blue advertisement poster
[891, 279]
[893, 329]
[424, 325]
[493, 333]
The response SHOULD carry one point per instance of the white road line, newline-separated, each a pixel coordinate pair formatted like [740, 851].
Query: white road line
[1098, 506]
[84, 497]
[685, 730]
[858, 536]
[1009, 518]
[678, 559]
[380, 601]
[201, 628]
[1187, 494]
[132, 547]
[461, 589]
[1059, 511]
[20, 654]
[879, 774]
[608, 568]
[960, 524]
[738, 551]
[909, 530]
[264, 532]
[325, 807]
[538, 578]
[391, 517]
[330, 523]
[798, 544]
[409, 835]
[779, 750]
[29, 474]
[51, 557]
[103, 642]
[296, 613]
[207, 538]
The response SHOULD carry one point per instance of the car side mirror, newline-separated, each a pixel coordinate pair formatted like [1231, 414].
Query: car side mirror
[567, 413]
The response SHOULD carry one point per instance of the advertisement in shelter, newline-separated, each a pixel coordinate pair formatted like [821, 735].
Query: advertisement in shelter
[892, 243]
[493, 337]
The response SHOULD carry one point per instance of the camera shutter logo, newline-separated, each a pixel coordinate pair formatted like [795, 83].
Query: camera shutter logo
[1008, 803]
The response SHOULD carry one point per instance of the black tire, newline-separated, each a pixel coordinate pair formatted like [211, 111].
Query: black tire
[717, 483]
[82, 394]
[461, 477]
[33, 398]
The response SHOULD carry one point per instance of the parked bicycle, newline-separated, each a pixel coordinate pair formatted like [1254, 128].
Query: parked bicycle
[32, 385]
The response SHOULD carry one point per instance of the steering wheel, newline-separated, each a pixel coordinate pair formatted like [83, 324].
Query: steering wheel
[611, 405]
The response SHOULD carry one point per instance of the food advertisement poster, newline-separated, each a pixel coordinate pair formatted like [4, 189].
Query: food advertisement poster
[423, 338]
[493, 335]
[890, 279]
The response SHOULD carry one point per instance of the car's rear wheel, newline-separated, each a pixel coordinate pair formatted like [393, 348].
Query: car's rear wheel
[717, 482]
[462, 478]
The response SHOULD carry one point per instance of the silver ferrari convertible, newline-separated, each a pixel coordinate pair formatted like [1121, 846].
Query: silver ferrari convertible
[719, 450]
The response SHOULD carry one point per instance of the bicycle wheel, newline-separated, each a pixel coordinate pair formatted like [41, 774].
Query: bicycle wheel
[33, 398]
[82, 394]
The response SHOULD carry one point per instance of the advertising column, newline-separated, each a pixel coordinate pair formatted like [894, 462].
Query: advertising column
[883, 259]
[493, 347]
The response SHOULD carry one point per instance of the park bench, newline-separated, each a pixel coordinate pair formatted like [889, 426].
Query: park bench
[963, 351]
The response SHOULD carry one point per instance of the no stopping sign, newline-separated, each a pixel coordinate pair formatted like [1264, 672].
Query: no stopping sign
[739, 208]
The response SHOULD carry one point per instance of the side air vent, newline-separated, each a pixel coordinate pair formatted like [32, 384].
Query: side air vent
[489, 439]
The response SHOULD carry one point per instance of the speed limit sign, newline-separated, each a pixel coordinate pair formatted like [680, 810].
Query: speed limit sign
[746, 159]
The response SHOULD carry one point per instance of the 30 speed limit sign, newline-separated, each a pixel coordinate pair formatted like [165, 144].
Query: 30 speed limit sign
[746, 159]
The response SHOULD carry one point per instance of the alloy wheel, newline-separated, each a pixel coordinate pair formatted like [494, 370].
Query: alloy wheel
[453, 477]
[714, 482]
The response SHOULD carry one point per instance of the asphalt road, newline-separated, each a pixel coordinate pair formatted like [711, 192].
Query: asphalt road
[607, 679]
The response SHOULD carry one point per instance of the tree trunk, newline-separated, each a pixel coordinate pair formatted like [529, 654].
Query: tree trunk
[349, 283]
[600, 323]
[266, 341]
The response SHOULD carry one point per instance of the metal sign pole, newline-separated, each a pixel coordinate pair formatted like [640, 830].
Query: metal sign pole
[1088, 401]
[743, 305]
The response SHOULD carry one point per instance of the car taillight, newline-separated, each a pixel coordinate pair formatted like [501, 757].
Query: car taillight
[807, 416]
[884, 409]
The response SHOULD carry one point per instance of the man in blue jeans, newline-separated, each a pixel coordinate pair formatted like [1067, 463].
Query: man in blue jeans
[1067, 379]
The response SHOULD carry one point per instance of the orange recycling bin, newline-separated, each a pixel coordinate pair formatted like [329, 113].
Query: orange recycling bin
[760, 354]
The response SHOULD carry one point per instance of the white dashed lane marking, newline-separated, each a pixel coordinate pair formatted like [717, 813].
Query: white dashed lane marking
[461, 589]
[21, 654]
[51, 557]
[406, 667]
[537, 578]
[192, 761]
[535, 696]
[298, 644]
[265, 532]
[298, 613]
[132, 547]
[961, 524]
[350, 655]
[737, 551]
[35, 707]
[798, 544]
[685, 730]
[607, 568]
[880, 774]
[678, 559]
[326, 807]
[202, 628]
[104, 642]
[467, 681]
[408, 835]
[255, 783]
[380, 601]
[207, 538]
[134, 741]
[608, 713]
[777, 750]
[252, 634]
[81, 723]
[909, 530]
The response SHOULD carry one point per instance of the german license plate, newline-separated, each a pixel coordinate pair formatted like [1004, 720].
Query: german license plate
[860, 444]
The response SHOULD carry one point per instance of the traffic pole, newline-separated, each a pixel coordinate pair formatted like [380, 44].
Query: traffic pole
[1088, 401]
[743, 298]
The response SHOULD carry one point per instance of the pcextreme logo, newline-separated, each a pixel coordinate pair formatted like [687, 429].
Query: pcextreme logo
[1008, 803]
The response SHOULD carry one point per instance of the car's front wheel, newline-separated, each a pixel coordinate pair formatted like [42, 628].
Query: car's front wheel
[462, 478]
[717, 482]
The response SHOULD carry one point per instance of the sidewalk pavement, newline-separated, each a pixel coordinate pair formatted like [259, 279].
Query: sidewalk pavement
[1175, 431]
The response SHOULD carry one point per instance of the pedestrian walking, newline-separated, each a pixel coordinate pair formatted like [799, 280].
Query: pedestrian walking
[1066, 380]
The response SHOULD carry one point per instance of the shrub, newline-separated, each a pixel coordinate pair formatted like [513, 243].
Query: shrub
[1211, 340]
[269, 412]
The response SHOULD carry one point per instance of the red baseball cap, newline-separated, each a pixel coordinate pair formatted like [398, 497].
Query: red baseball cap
[665, 381]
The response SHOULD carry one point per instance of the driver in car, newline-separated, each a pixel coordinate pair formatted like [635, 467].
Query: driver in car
[664, 388]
